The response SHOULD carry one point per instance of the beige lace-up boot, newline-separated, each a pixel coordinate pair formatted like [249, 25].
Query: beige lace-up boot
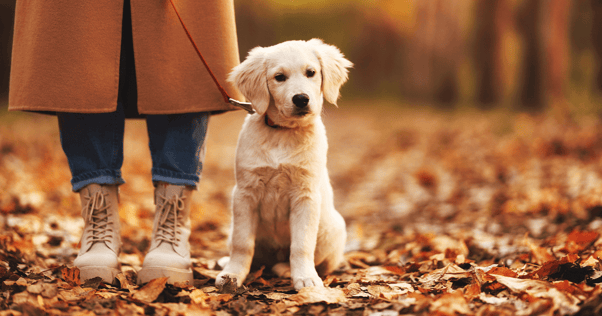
[101, 240]
[169, 253]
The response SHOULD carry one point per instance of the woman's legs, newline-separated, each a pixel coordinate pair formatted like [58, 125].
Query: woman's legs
[93, 144]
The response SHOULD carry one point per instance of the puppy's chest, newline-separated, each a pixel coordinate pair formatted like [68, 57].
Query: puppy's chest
[275, 186]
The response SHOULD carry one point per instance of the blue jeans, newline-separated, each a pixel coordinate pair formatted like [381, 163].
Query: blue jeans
[93, 143]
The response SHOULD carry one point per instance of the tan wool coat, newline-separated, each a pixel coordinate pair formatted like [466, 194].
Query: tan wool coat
[66, 55]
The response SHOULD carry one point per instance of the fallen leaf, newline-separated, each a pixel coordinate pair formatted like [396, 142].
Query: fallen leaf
[450, 304]
[591, 261]
[396, 269]
[71, 275]
[503, 271]
[125, 283]
[253, 276]
[578, 240]
[199, 297]
[315, 294]
[472, 291]
[565, 303]
[77, 294]
[211, 274]
[151, 291]
[540, 255]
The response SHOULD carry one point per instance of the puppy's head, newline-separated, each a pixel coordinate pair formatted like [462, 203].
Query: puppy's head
[295, 75]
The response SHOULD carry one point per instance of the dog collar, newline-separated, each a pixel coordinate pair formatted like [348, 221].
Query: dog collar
[270, 123]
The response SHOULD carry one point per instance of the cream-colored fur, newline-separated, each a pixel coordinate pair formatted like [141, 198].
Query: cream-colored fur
[282, 206]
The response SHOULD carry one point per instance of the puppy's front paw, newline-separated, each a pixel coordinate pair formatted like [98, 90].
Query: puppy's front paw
[307, 281]
[229, 282]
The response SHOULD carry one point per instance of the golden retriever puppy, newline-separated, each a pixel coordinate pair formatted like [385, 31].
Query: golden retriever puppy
[282, 205]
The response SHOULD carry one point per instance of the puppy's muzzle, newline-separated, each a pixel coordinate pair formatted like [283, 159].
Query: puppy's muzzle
[301, 101]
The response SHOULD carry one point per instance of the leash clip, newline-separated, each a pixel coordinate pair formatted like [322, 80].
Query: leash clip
[243, 105]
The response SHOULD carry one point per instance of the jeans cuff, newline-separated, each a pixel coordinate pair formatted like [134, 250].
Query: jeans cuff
[175, 178]
[110, 177]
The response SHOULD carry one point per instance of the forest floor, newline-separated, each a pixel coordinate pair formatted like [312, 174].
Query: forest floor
[448, 213]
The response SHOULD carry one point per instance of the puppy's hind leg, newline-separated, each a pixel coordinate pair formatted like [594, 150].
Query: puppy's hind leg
[282, 270]
[331, 245]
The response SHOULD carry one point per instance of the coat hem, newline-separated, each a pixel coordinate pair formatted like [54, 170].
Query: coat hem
[213, 111]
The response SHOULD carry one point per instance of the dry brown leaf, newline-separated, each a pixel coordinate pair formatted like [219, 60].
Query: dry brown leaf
[211, 274]
[76, 294]
[540, 255]
[591, 261]
[125, 308]
[46, 290]
[553, 266]
[563, 302]
[151, 290]
[71, 275]
[125, 283]
[253, 276]
[503, 271]
[472, 290]
[450, 304]
[315, 294]
[199, 297]
[396, 269]
[578, 240]
[220, 297]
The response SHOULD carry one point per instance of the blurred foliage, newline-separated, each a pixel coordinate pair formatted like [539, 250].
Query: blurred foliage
[525, 54]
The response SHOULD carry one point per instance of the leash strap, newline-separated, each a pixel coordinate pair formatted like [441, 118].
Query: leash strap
[244, 105]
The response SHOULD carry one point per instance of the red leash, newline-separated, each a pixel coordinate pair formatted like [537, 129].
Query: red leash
[244, 105]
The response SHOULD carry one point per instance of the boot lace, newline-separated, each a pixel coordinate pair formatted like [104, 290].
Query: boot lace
[97, 217]
[170, 219]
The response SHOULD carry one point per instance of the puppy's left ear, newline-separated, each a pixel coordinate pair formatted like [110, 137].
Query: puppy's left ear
[250, 78]
[334, 69]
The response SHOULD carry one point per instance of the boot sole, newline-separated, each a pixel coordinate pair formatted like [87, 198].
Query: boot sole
[175, 275]
[105, 273]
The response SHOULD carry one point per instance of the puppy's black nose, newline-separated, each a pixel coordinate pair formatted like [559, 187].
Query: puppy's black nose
[301, 100]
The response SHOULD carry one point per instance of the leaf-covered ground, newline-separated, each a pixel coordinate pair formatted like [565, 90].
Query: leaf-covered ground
[447, 214]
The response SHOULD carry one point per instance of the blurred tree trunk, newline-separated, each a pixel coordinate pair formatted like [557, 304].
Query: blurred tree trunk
[557, 25]
[532, 89]
[545, 26]
[597, 38]
[493, 19]
[437, 50]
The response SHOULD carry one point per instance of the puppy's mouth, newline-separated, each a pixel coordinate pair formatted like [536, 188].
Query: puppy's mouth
[301, 112]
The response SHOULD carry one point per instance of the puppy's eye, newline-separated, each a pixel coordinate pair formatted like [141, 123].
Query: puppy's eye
[310, 73]
[280, 77]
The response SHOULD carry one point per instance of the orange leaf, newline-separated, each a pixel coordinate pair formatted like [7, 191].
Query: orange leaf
[570, 258]
[546, 269]
[578, 240]
[151, 290]
[396, 269]
[472, 291]
[254, 276]
[502, 271]
[582, 238]
[71, 275]
[565, 286]
[540, 255]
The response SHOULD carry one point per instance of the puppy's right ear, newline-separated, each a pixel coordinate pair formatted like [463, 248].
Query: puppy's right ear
[250, 79]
